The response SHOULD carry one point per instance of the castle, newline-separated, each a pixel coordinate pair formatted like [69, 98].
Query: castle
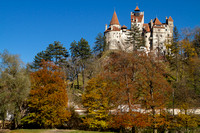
[154, 33]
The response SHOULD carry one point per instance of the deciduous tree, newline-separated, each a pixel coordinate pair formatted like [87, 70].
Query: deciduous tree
[48, 97]
[14, 87]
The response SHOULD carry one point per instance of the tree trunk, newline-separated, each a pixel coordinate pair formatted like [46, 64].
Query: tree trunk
[3, 125]
[133, 129]
[83, 76]
[77, 81]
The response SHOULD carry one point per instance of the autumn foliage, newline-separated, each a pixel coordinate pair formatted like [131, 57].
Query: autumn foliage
[99, 99]
[48, 97]
[127, 93]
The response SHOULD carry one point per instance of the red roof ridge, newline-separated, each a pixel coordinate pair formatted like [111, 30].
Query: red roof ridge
[157, 22]
[114, 19]
[124, 27]
[115, 28]
[146, 27]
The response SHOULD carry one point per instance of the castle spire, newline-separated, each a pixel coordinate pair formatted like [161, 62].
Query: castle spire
[137, 8]
[170, 18]
[114, 19]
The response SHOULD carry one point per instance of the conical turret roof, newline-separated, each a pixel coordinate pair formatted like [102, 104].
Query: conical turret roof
[170, 18]
[114, 19]
[137, 8]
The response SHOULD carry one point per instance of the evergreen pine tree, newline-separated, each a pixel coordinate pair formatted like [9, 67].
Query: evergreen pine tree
[135, 38]
[54, 52]
[100, 44]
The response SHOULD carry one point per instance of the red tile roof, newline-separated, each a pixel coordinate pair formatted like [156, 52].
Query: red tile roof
[170, 19]
[146, 27]
[115, 29]
[137, 8]
[133, 18]
[124, 27]
[157, 22]
[114, 19]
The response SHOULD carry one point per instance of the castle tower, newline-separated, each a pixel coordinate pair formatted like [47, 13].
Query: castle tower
[114, 21]
[116, 35]
[156, 34]
[170, 22]
[137, 18]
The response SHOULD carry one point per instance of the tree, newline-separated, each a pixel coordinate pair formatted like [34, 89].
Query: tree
[98, 99]
[141, 80]
[54, 52]
[100, 44]
[196, 40]
[14, 87]
[173, 58]
[135, 38]
[75, 60]
[80, 53]
[155, 89]
[48, 98]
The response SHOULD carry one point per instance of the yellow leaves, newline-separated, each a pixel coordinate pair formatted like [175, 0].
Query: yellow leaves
[184, 120]
[188, 48]
[96, 100]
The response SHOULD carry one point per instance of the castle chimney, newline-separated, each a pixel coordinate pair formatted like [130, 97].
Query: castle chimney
[151, 23]
[166, 18]
[106, 27]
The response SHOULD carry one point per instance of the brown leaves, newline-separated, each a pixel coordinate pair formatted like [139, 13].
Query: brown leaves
[48, 97]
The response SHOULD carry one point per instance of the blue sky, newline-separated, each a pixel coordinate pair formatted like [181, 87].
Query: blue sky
[29, 26]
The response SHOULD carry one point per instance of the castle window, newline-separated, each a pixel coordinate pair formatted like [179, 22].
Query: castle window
[146, 36]
[158, 29]
[166, 29]
[118, 41]
[160, 35]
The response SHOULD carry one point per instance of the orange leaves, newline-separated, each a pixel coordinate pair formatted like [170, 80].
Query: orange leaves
[131, 119]
[48, 97]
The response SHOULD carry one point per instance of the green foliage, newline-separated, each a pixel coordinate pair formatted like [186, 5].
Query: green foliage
[54, 52]
[74, 50]
[84, 51]
[80, 50]
[100, 44]
[80, 53]
[14, 87]
[135, 38]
